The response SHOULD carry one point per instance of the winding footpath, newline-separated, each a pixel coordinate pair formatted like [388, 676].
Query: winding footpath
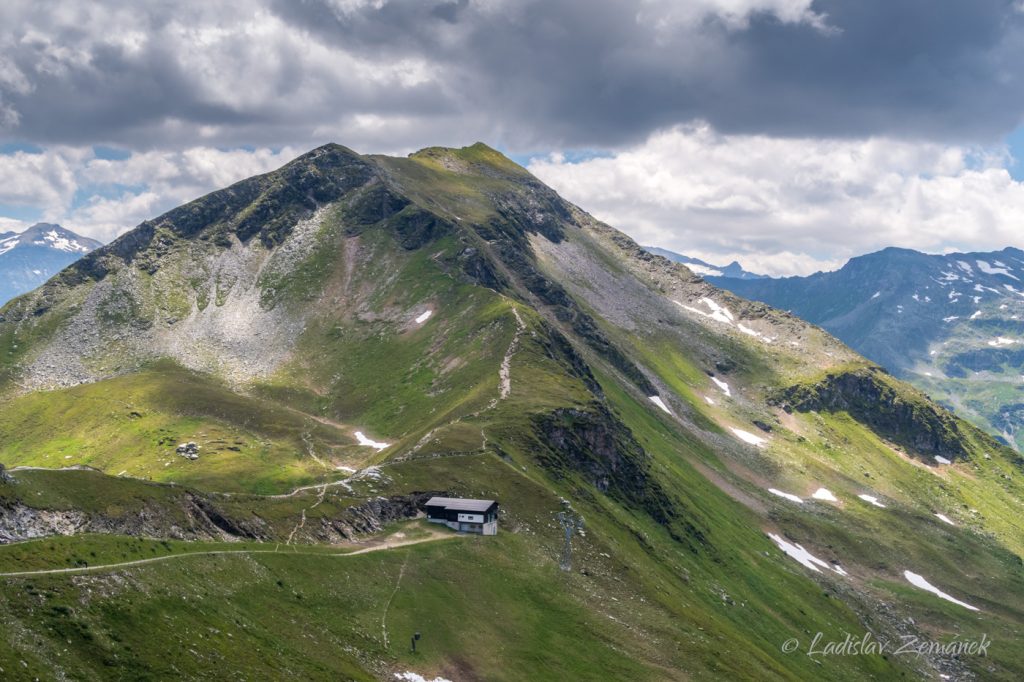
[141, 562]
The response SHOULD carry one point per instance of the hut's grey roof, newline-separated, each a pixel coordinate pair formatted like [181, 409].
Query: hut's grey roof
[460, 504]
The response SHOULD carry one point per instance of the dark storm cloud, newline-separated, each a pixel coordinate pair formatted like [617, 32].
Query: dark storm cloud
[530, 73]
[909, 67]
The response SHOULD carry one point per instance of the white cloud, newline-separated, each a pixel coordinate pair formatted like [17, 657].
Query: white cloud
[55, 180]
[12, 225]
[105, 218]
[792, 205]
[735, 14]
[189, 171]
[40, 180]
[777, 205]
[169, 178]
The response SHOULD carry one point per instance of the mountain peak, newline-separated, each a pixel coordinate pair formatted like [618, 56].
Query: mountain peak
[324, 149]
[29, 258]
[54, 236]
[895, 252]
[477, 158]
[732, 271]
[47, 235]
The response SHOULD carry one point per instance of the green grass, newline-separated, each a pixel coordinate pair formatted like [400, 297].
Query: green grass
[262, 614]
[83, 551]
[133, 423]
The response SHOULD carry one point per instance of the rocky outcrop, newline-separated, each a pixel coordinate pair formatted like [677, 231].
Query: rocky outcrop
[593, 443]
[897, 413]
[19, 522]
[188, 450]
[199, 517]
[200, 520]
[369, 517]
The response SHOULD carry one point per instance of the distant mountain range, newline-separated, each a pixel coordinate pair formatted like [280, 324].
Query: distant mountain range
[732, 270]
[950, 324]
[29, 258]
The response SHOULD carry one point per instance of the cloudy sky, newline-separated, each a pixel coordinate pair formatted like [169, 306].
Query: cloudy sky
[787, 134]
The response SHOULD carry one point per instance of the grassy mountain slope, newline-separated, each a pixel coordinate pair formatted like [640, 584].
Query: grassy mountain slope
[282, 323]
[949, 324]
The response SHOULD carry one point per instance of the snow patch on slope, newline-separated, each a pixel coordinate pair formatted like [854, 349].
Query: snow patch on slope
[715, 311]
[991, 270]
[720, 313]
[748, 437]
[918, 581]
[8, 244]
[804, 557]
[824, 494]
[363, 440]
[416, 677]
[56, 240]
[788, 496]
[660, 403]
[1002, 341]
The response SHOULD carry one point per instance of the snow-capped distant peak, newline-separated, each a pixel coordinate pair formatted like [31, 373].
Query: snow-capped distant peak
[56, 240]
[48, 236]
[29, 258]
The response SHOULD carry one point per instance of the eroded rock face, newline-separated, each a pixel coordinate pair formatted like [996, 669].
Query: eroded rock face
[594, 443]
[203, 518]
[901, 417]
[370, 517]
[18, 521]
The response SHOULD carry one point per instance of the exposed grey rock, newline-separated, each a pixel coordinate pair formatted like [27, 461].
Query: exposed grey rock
[188, 450]
[203, 518]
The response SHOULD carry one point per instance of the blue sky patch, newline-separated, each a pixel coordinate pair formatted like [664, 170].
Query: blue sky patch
[84, 194]
[1015, 142]
[10, 148]
[28, 214]
[111, 153]
[571, 155]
